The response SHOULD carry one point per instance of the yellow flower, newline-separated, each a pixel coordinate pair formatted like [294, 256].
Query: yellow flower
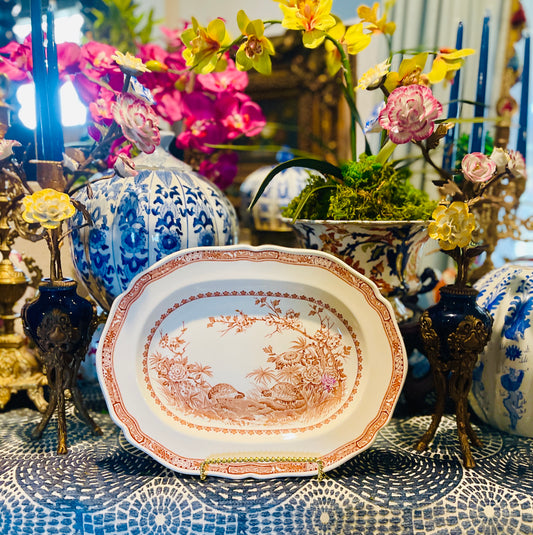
[354, 39]
[452, 225]
[446, 63]
[373, 76]
[204, 44]
[129, 63]
[312, 16]
[48, 207]
[256, 50]
[409, 72]
[375, 25]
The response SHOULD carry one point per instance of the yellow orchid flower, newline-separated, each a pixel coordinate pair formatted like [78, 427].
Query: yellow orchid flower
[312, 16]
[446, 63]
[354, 39]
[375, 25]
[409, 72]
[256, 50]
[333, 57]
[204, 44]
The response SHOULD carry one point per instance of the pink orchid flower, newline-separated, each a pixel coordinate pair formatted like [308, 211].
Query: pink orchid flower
[229, 80]
[220, 170]
[17, 65]
[477, 167]
[410, 114]
[240, 115]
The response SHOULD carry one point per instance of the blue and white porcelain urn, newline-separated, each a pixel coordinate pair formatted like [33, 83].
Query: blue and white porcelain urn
[139, 220]
[502, 390]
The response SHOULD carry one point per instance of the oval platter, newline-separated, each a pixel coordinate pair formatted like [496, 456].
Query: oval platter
[244, 361]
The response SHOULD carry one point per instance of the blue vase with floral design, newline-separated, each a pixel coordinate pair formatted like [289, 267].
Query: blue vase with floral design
[139, 220]
[502, 392]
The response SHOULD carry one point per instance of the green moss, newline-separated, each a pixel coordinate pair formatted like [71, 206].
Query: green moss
[371, 191]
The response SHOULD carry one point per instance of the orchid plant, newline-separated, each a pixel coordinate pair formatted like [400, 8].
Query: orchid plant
[208, 109]
[131, 118]
[410, 113]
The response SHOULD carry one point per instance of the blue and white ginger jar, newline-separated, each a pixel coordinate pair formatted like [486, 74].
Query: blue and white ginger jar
[266, 213]
[139, 220]
[502, 390]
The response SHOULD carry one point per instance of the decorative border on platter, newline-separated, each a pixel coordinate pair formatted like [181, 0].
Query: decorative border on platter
[296, 257]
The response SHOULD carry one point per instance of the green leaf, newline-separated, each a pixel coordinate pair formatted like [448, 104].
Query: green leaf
[321, 166]
[306, 197]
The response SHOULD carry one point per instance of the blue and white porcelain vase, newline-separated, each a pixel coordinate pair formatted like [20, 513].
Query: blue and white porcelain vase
[139, 220]
[502, 391]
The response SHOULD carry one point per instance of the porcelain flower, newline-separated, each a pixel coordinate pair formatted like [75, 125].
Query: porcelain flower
[373, 76]
[129, 63]
[517, 164]
[452, 225]
[446, 63]
[138, 122]
[6, 148]
[477, 167]
[410, 114]
[48, 207]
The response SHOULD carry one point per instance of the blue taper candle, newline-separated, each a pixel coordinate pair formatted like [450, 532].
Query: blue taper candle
[448, 159]
[54, 105]
[39, 78]
[521, 144]
[477, 137]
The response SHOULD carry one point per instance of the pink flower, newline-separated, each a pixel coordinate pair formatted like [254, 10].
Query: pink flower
[18, 63]
[517, 164]
[410, 114]
[138, 122]
[477, 167]
[240, 115]
[230, 79]
[101, 108]
[328, 382]
[221, 170]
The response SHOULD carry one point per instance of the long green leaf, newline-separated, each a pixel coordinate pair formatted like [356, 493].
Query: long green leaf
[321, 166]
[305, 198]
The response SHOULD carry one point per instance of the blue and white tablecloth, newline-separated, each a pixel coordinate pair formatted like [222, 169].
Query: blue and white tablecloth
[105, 485]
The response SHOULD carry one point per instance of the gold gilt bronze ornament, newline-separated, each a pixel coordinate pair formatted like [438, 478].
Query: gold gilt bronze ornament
[454, 332]
[19, 368]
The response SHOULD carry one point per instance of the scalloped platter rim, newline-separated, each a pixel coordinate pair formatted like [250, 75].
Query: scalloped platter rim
[242, 361]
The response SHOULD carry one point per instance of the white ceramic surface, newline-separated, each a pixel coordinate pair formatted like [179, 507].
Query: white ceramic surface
[251, 352]
[502, 390]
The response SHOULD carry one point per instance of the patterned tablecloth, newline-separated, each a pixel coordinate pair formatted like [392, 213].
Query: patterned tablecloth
[105, 485]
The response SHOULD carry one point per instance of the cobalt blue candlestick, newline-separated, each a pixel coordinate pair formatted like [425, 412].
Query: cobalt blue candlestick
[54, 105]
[521, 145]
[39, 79]
[448, 161]
[477, 137]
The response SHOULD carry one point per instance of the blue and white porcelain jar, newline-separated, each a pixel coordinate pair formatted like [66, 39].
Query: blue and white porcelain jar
[502, 390]
[139, 220]
[266, 214]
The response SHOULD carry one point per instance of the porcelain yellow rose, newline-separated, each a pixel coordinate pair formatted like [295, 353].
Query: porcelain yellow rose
[48, 207]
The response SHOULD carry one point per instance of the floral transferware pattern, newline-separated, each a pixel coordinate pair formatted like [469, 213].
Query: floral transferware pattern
[230, 284]
[303, 379]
